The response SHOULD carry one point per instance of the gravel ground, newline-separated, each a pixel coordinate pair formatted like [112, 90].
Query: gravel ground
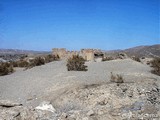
[29, 87]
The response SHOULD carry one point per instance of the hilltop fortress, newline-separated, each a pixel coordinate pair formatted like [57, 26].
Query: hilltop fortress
[87, 54]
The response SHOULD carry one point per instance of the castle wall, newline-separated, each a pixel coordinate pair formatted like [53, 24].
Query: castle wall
[87, 54]
[61, 52]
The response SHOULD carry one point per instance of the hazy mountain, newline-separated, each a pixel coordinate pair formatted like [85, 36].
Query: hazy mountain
[139, 51]
[15, 54]
[147, 51]
[17, 51]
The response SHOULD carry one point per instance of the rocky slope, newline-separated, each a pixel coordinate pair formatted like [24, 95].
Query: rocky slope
[140, 100]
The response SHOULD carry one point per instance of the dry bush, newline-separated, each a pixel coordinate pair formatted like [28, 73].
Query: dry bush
[50, 58]
[116, 78]
[36, 62]
[14, 63]
[107, 59]
[6, 68]
[136, 59]
[156, 66]
[76, 63]
[20, 63]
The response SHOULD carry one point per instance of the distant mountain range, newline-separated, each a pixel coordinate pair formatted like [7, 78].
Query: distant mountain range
[17, 51]
[139, 51]
[147, 51]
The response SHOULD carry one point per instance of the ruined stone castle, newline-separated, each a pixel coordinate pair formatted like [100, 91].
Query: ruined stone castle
[87, 54]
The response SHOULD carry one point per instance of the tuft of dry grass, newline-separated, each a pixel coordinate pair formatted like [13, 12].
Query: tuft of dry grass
[76, 63]
[116, 78]
[6, 68]
[156, 66]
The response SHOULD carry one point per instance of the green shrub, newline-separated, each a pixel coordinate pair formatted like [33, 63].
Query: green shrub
[156, 66]
[6, 68]
[76, 63]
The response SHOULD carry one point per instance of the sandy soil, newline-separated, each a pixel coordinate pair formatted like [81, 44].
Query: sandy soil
[51, 80]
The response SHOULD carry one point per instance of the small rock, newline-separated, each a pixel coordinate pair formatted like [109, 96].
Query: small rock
[90, 113]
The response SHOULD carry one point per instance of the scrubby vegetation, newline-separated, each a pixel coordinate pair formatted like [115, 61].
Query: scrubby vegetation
[36, 62]
[136, 59]
[76, 63]
[20, 63]
[50, 58]
[156, 66]
[5, 69]
[116, 78]
[107, 58]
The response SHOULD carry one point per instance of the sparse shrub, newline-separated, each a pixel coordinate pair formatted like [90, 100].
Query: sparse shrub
[156, 66]
[22, 63]
[14, 63]
[50, 58]
[5, 69]
[36, 62]
[136, 59]
[76, 63]
[116, 78]
[107, 59]
[39, 61]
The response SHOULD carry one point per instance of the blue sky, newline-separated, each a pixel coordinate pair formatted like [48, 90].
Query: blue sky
[76, 24]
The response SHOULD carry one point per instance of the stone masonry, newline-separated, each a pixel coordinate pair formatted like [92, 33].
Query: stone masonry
[87, 54]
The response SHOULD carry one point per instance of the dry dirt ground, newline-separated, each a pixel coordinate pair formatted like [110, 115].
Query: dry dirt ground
[80, 94]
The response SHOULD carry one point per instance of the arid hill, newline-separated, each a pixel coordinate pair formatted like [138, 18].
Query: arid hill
[139, 51]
